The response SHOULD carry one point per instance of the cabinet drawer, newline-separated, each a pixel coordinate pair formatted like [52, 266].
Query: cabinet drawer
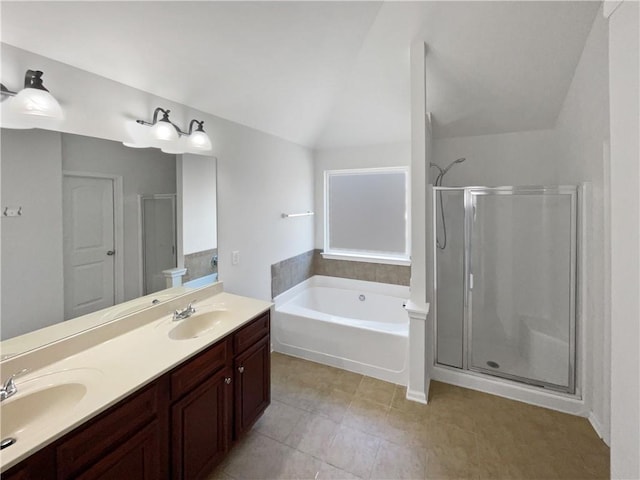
[109, 429]
[135, 459]
[188, 376]
[251, 333]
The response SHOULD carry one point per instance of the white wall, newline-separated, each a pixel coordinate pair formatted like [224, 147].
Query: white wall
[624, 81]
[259, 175]
[145, 171]
[581, 130]
[570, 154]
[259, 178]
[199, 203]
[521, 158]
[372, 156]
[32, 283]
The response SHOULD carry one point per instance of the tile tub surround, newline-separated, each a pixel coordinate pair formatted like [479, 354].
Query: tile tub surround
[292, 271]
[328, 423]
[199, 264]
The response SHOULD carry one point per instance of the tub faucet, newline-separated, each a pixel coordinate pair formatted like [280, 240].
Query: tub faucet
[186, 313]
[9, 387]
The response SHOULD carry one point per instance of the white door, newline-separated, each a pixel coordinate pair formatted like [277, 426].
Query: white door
[158, 240]
[89, 254]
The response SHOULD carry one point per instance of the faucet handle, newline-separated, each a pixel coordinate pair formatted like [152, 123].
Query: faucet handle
[9, 383]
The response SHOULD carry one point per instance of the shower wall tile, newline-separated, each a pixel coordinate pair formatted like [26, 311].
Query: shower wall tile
[198, 264]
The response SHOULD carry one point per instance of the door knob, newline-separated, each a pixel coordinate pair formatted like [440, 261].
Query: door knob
[111, 252]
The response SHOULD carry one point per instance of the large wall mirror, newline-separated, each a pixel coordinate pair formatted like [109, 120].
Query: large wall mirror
[92, 230]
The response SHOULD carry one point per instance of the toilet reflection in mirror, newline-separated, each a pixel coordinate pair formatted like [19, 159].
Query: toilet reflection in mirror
[101, 224]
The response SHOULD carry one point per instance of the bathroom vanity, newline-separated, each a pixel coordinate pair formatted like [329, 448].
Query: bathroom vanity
[182, 421]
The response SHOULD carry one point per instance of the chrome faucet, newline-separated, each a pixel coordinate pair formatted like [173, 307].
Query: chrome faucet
[186, 313]
[9, 388]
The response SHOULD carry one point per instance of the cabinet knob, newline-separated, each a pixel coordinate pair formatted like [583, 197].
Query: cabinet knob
[241, 369]
[227, 380]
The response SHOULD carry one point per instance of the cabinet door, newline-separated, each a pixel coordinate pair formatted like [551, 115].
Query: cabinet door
[135, 459]
[201, 427]
[253, 387]
[39, 466]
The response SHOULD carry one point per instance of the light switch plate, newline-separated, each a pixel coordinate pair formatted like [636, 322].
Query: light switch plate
[235, 257]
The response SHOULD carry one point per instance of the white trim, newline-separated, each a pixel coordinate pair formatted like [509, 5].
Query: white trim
[602, 432]
[417, 311]
[356, 257]
[118, 224]
[140, 249]
[561, 402]
[361, 255]
[415, 396]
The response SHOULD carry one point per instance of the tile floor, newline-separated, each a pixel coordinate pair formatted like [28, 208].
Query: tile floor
[325, 423]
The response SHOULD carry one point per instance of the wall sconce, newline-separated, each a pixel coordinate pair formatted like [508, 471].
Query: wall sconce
[167, 136]
[31, 107]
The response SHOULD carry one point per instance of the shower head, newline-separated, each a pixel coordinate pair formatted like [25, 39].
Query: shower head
[460, 160]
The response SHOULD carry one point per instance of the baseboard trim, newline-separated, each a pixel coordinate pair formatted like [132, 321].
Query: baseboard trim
[416, 396]
[602, 432]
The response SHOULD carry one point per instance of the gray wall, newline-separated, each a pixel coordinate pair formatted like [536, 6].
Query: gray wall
[32, 250]
[32, 282]
[145, 171]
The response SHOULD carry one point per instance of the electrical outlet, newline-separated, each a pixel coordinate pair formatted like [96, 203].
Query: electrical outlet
[235, 257]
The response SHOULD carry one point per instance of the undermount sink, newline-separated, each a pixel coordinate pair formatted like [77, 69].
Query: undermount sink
[198, 324]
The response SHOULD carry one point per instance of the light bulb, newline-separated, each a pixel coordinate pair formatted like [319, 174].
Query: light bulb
[164, 131]
[199, 141]
[36, 102]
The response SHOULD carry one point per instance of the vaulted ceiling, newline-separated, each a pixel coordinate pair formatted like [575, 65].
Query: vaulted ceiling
[324, 74]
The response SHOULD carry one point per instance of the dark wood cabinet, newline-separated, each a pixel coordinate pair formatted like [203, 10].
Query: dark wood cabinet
[252, 386]
[110, 434]
[200, 427]
[178, 427]
[135, 457]
[41, 465]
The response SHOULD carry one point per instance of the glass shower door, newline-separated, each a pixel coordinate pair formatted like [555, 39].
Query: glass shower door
[521, 295]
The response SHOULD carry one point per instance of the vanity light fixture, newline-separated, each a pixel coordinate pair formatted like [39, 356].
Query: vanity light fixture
[33, 106]
[198, 140]
[167, 136]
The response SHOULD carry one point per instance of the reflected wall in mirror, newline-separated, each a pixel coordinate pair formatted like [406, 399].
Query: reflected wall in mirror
[99, 224]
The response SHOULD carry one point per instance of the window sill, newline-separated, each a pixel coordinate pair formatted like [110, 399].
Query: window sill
[353, 257]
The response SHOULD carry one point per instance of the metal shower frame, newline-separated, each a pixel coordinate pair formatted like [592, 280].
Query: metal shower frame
[468, 206]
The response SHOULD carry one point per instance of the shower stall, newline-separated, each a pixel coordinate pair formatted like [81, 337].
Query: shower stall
[505, 282]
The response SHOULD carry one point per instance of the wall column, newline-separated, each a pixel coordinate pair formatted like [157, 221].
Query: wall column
[419, 334]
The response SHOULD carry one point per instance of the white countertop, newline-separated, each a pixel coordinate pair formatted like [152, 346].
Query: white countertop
[118, 366]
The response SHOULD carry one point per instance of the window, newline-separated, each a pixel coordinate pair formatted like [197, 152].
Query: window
[366, 215]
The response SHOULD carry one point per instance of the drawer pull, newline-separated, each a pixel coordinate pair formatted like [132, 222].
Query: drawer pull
[227, 380]
[241, 369]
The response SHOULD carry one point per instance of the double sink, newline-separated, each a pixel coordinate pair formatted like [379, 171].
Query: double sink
[45, 402]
